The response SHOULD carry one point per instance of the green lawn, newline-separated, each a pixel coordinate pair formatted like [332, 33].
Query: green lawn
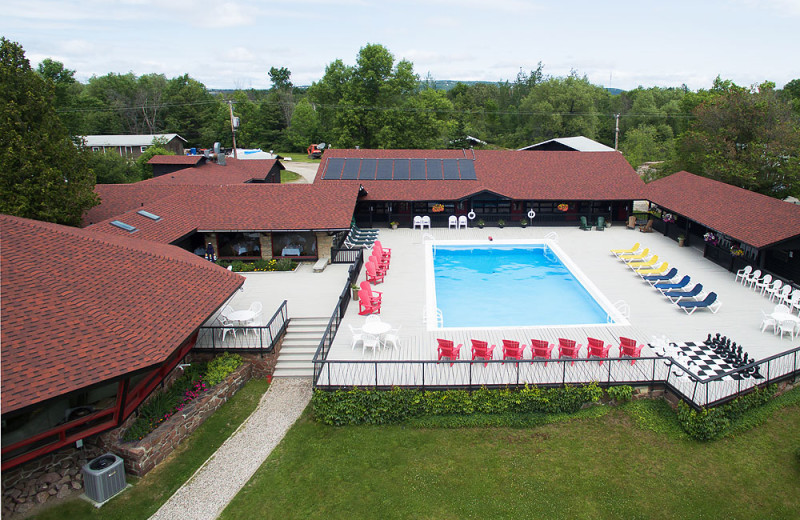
[289, 176]
[150, 492]
[628, 462]
[298, 157]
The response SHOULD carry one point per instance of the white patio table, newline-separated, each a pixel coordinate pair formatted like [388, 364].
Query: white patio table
[376, 328]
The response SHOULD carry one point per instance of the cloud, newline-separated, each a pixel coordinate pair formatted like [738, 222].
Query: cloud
[788, 7]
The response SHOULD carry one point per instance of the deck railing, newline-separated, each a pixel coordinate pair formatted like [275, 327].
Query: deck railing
[466, 374]
[254, 338]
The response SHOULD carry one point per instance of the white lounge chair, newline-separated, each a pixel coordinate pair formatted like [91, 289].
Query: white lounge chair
[762, 284]
[752, 278]
[462, 222]
[452, 222]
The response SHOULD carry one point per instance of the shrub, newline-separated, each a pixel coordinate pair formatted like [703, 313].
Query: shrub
[621, 394]
[239, 266]
[366, 406]
[711, 423]
[221, 366]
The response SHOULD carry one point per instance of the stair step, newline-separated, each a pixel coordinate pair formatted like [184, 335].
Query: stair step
[307, 349]
[300, 335]
[306, 329]
[309, 321]
[306, 364]
[293, 372]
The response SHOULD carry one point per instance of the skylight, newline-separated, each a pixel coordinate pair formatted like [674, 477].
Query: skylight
[148, 215]
[122, 225]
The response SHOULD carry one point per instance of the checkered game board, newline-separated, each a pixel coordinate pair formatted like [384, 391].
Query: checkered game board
[707, 363]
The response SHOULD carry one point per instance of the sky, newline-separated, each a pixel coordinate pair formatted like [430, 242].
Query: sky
[232, 44]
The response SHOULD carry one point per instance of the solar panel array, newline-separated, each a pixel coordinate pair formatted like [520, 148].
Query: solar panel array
[400, 169]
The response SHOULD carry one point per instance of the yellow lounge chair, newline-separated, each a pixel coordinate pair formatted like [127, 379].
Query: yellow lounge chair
[644, 265]
[630, 251]
[638, 256]
[654, 271]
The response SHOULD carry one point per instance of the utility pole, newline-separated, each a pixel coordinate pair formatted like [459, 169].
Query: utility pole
[616, 132]
[233, 129]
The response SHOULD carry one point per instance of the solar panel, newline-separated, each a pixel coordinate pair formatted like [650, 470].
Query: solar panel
[384, 172]
[418, 170]
[368, 169]
[334, 169]
[351, 167]
[401, 169]
[434, 169]
[467, 168]
[450, 169]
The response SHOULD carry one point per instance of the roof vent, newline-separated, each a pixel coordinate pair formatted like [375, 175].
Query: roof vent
[122, 225]
[149, 215]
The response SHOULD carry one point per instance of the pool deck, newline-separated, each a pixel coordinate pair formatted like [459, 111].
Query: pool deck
[651, 314]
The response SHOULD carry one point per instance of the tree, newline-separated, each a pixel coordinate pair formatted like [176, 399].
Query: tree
[305, 127]
[746, 137]
[43, 175]
[112, 168]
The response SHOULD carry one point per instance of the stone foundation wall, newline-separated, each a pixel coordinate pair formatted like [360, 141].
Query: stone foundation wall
[143, 455]
[265, 241]
[324, 244]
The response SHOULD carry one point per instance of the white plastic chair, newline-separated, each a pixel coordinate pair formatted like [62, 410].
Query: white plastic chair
[763, 283]
[743, 273]
[426, 221]
[774, 290]
[753, 278]
[357, 336]
[452, 222]
[462, 222]
[369, 341]
[417, 222]
[393, 337]
[787, 326]
[794, 301]
[768, 321]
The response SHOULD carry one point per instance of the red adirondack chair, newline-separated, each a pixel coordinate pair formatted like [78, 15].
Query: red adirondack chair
[385, 253]
[629, 347]
[365, 304]
[482, 350]
[373, 276]
[512, 349]
[381, 264]
[541, 349]
[375, 296]
[597, 348]
[447, 350]
[568, 348]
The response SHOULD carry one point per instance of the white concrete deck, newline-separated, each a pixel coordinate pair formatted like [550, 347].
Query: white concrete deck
[651, 313]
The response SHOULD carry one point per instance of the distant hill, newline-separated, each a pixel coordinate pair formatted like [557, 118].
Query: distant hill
[447, 84]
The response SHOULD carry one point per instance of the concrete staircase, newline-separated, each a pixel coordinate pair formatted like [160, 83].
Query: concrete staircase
[299, 345]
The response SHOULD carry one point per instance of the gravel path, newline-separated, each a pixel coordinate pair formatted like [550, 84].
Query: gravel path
[214, 485]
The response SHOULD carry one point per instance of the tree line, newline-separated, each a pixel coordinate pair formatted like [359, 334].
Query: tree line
[747, 136]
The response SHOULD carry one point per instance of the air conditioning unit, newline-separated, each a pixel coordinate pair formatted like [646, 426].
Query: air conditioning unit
[104, 477]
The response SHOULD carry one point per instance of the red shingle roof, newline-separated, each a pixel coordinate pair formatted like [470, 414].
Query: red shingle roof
[119, 198]
[175, 159]
[513, 174]
[747, 216]
[250, 207]
[81, 307]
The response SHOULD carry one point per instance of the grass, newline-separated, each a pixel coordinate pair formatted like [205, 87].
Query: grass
[150, 492]
[299, 157]
[289, 176]
[632, 461]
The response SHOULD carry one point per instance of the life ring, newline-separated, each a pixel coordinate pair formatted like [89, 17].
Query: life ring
[471, 215]
[531, 214]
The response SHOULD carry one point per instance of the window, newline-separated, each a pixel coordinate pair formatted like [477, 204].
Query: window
[239, 244]
[301, 243]
[95, 148]
[149, 215]
[143, 148]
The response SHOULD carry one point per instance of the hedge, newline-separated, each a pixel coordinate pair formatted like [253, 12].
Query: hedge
[711, 423]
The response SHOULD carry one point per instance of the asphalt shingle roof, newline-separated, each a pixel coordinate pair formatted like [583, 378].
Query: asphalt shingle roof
[82, 307]
[755, 219]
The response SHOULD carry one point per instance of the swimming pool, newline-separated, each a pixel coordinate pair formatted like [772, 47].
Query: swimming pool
[510, 284]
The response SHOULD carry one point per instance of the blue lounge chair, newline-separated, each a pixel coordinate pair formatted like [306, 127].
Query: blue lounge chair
[655, 278]
[669, 286]
[689, 306]
[679, 295]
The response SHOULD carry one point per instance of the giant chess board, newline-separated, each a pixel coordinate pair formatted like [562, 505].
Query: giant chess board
[702, 361]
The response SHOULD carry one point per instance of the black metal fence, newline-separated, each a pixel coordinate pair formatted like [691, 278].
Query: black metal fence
[341, 308]
[465, 374]
[252, 338]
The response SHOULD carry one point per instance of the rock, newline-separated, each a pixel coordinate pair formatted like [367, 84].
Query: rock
[76, 485]
[14, 493]
[64, 479]
[52, 491]
[63, 492]
[24, 508]
[48, 478]
[42, 497]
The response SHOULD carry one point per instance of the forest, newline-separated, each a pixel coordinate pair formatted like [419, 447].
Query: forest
[744, 135]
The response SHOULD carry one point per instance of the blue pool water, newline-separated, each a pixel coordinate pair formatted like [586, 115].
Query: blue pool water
[506, 286]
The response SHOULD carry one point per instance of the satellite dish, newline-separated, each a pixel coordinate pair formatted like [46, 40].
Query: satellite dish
[321, 146]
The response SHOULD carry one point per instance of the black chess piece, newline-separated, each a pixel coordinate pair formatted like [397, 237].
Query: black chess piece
[708, 340]
[716, 338]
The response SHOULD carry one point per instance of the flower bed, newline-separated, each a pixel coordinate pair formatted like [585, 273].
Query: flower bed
[238, 266]
[185, 389]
